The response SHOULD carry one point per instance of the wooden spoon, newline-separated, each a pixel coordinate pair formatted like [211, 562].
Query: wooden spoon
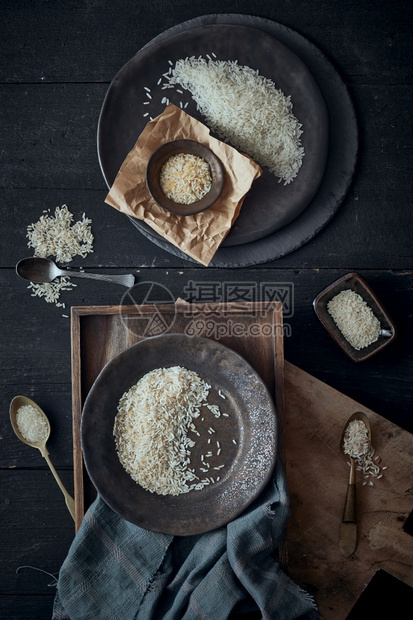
[348, 529]
[21, 401]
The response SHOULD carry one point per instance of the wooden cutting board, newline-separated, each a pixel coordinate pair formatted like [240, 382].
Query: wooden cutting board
[310, 415]
[317, 475]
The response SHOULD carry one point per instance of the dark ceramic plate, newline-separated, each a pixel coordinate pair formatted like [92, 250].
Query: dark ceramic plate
[167, 150]
[252, 424]
[358, 284]
[270, 205]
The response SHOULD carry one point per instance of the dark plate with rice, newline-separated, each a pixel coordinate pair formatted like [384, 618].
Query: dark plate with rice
[135, 96]
[242, 443]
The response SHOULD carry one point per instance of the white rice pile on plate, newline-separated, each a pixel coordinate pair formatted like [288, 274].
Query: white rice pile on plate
[151, 426]
[245, 109]
[57, 236]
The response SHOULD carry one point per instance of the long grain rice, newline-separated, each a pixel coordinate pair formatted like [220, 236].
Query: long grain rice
[354, 318]
[31, 424]
[151, 429]
[59, 237]
[245, 109]
[185, 178]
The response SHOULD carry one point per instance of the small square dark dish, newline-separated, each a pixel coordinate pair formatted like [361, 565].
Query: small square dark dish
[161, 156]
[356, 283]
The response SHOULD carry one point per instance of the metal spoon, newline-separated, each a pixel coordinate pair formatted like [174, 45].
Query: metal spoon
[348, 529]
[21, 401]
[41, 270]
[386, 333]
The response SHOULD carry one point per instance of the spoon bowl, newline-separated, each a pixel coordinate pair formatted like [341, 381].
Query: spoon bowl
[38, 270]
[358, 415]
[348, 529]
[43, 270]
[22, 401]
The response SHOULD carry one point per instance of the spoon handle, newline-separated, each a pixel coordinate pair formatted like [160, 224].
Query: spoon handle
[348, 528]
[350, 507]
[126, 280]
[68, 499]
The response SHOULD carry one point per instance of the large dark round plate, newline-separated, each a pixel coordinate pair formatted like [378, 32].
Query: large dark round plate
[270, 205]
[252, 424]
[341, 161]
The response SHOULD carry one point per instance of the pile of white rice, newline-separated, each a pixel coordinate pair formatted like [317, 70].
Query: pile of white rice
[151, 429]
[58, 236]
[185, 178]
[354, 318]
[31, 424]
[356, 439]
[357, 446]
[245, 109]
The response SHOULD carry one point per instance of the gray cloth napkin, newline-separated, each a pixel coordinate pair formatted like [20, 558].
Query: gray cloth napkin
[118, 571]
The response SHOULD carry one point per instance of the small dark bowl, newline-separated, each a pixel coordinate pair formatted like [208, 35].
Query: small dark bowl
[162, 154]
[356, 283]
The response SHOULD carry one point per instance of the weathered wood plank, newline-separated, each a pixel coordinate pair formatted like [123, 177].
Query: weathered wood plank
[55, 42]
[18, 607]
[36, 529]
[49, 135]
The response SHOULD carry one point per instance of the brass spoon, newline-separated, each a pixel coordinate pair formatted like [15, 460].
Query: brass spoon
[21, 401]
[348, 529]
[40, 270]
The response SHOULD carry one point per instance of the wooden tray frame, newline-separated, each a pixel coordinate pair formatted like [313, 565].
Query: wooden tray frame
[98, 333]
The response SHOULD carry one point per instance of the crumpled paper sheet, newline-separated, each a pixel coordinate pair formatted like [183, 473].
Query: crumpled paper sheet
[200, 235]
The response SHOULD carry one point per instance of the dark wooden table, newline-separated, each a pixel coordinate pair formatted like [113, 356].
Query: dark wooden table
[58, 59]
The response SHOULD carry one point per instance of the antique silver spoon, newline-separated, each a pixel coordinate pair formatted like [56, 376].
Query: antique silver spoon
[21, 401]
[43, 270]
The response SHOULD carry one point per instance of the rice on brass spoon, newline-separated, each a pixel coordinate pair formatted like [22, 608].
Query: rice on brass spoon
[348, 529]
[22, 401]
[43, 270]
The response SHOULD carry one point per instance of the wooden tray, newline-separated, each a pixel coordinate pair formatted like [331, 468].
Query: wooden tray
[100, 332]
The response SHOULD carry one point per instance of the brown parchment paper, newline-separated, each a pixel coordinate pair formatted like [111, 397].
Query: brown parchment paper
[200, 235]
